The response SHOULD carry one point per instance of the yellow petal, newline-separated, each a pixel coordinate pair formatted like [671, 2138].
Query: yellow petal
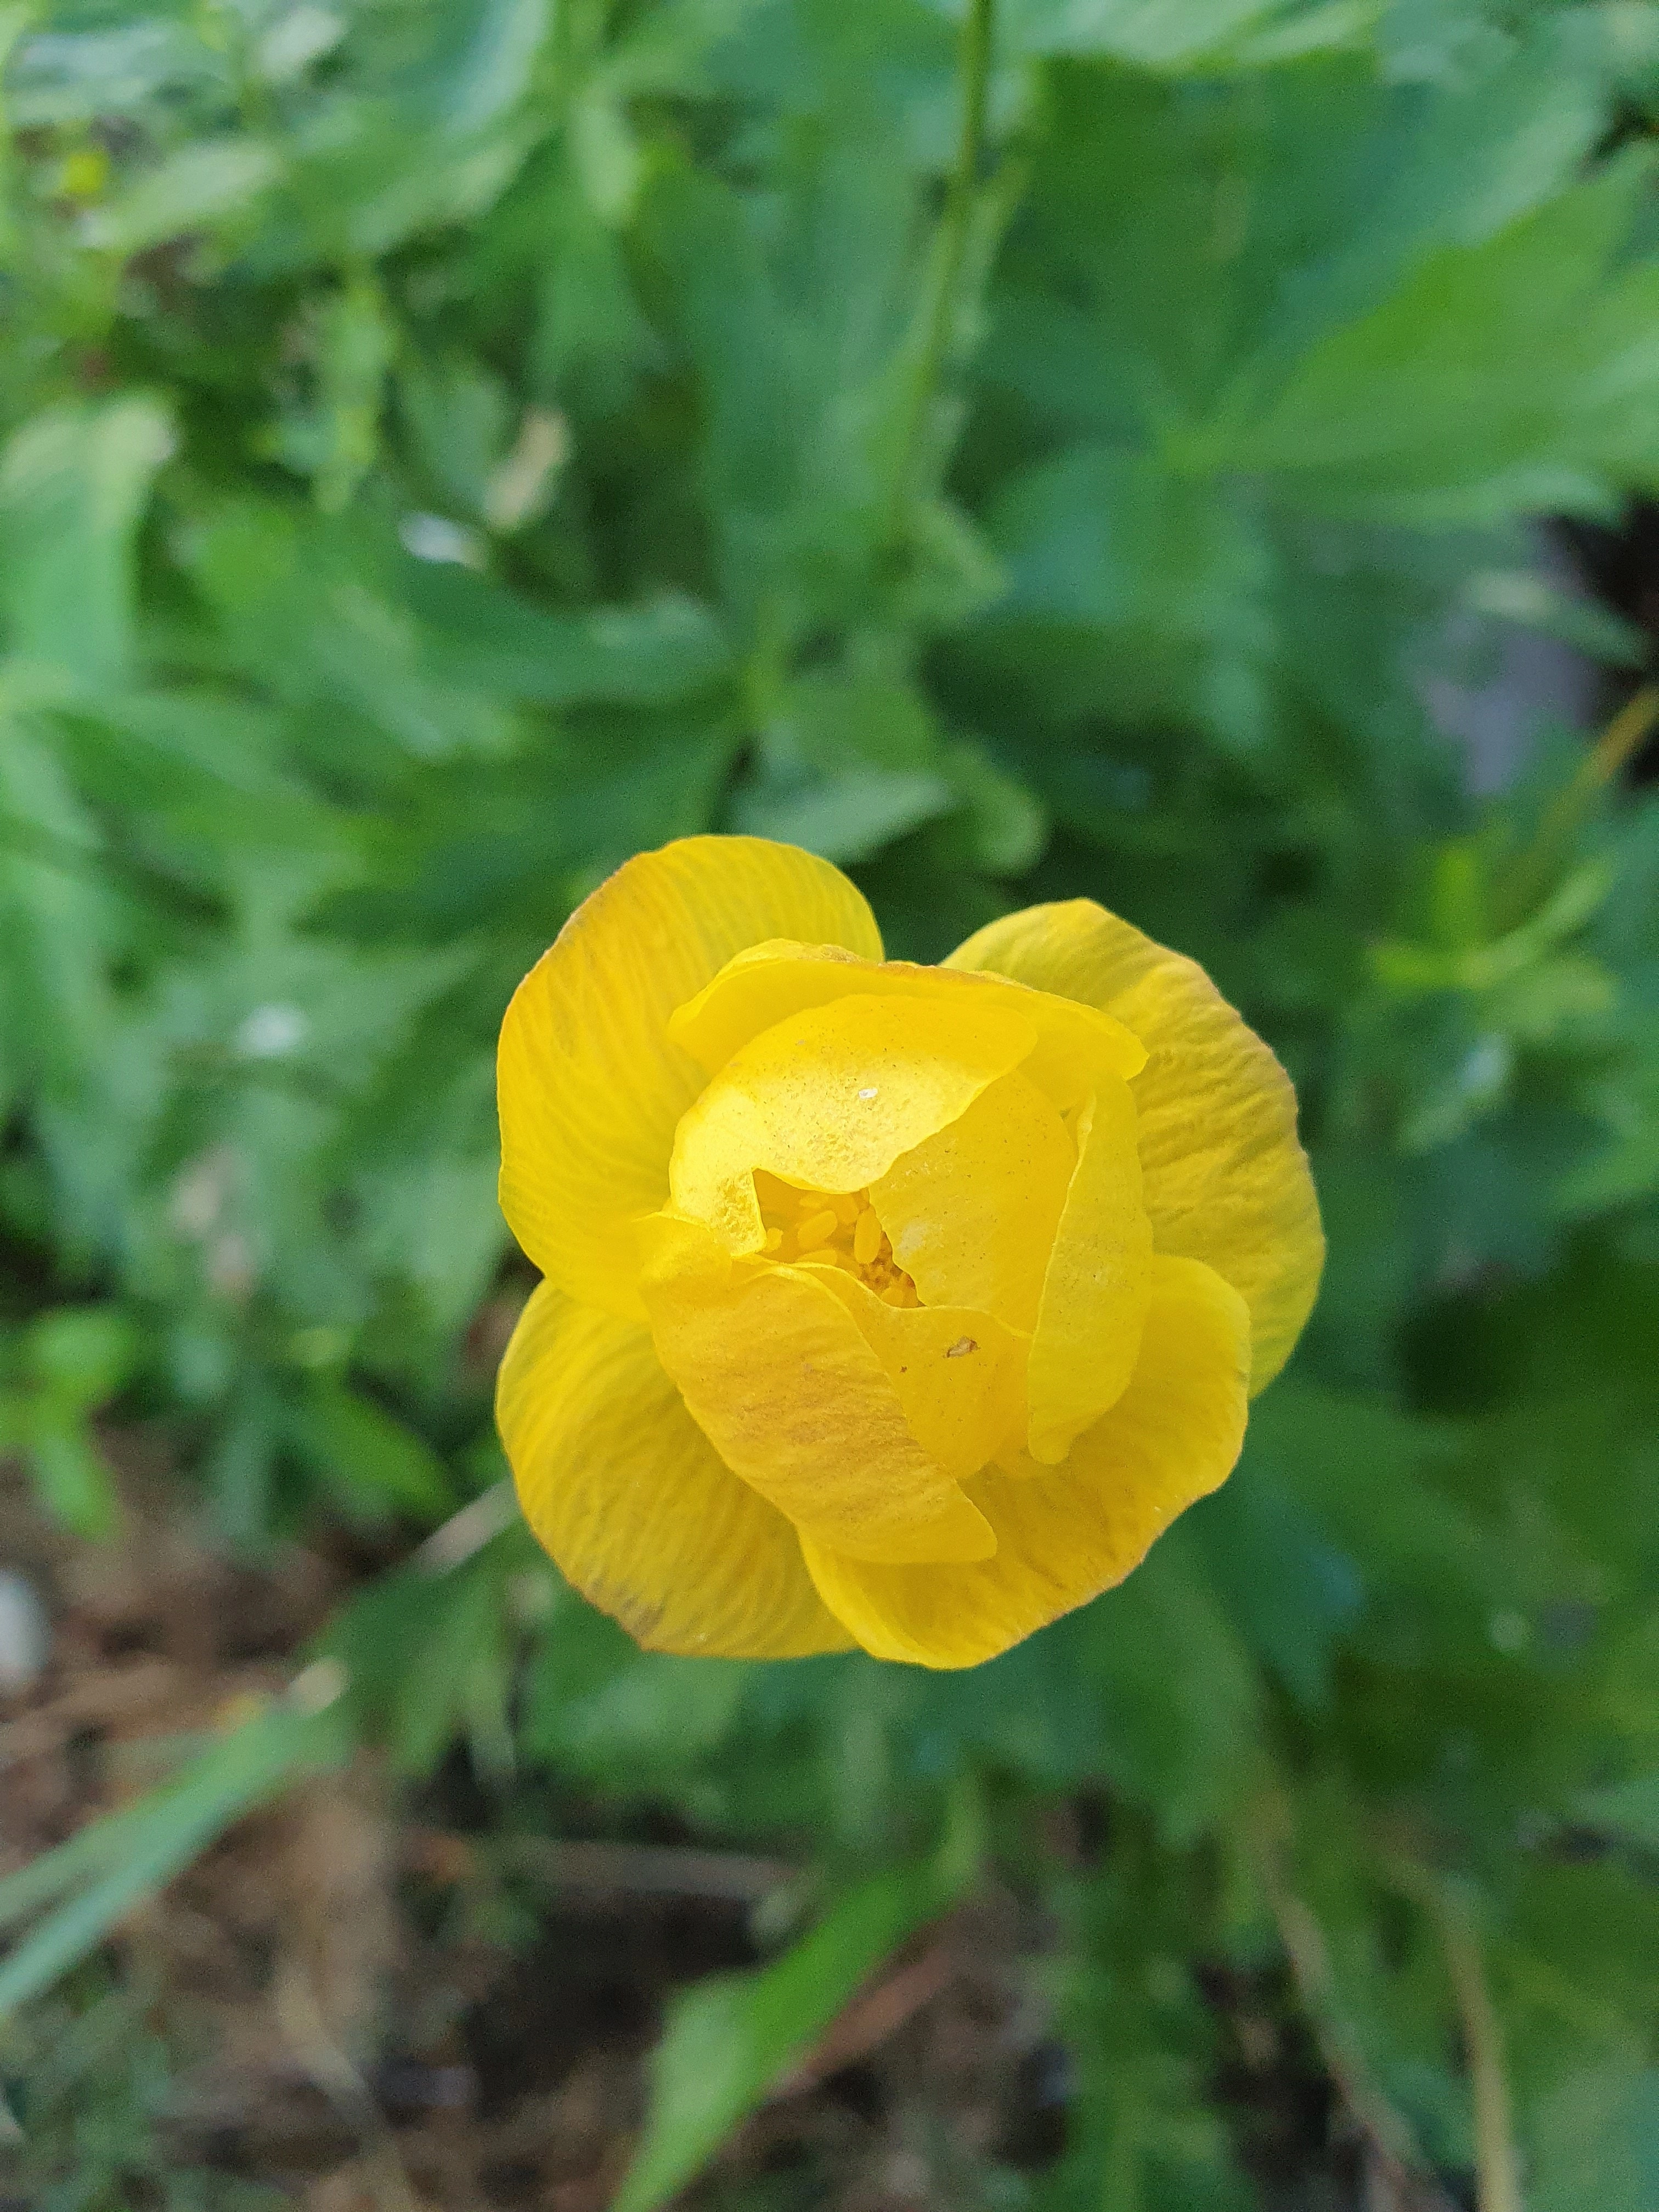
[831, 1096]
[591, 1087]
[1071, 1532]
[1225, 1180]
[793, 1398]
[958, 1375]
[1098, 1281]
[764, 985]
[623, 1489]
[971, 1211]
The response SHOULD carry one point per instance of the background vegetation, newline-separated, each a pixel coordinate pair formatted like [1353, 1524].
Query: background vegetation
[449, 444]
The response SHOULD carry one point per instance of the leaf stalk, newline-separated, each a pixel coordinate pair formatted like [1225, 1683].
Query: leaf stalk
[945, 265]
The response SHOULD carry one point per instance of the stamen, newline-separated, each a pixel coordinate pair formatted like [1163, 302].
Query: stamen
[818, 1230]
[773, 1239]
[866, 1237]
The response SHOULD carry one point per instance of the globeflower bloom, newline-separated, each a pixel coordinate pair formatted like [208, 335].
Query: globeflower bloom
[883, 1304]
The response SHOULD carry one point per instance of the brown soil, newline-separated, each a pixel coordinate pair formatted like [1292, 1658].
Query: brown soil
[373, 2007]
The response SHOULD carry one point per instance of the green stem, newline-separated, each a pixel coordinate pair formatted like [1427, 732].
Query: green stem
[1391, 2142]
[945, 272]
[1498, 2180]
[1601, 767]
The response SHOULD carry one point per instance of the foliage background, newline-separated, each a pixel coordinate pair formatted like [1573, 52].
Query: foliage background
[450, 444]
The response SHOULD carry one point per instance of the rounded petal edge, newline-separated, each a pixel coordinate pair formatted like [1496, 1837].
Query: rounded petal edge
[794, 1399]
[1066, 1533]
[590, 1086]
[1225, 1179]
[635, 1507]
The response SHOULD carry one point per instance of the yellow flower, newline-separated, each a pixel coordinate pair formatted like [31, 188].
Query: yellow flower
[885, 1304]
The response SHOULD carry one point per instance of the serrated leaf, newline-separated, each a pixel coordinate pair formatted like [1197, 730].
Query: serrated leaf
[1131, 593]
[845, 817]
[1505, 374]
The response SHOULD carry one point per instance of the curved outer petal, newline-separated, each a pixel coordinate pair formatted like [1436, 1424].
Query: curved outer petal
[624, 1490]
[828, 1099]
[971, 1211]
[794, 1399]
[1098, 1281]
[958, 1375]
[1225, 1180]
[765, 984]
[591, 1088]
[1065, 1535]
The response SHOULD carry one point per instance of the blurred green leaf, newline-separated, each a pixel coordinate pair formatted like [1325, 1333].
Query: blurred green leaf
[732, 2038]
[79, 1356]
[69, 1476]
[373, 1461]
[1595, 2141]
[199, 184]
[86, 1886]
[1401, 409]
[1629, 1810]
[72, 484]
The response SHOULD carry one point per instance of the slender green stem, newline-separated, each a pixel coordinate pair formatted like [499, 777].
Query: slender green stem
[944, 268]
[1496, 2175]
[1605, 761]
[1390, 2139]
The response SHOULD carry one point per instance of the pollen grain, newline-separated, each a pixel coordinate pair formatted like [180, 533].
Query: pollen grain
[836, 1229]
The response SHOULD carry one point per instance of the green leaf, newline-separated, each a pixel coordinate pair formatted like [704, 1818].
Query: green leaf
[794, 315]
[69, 1476]
[1594, 2141]
[101, 1873]
[1325, 278]
[72, 484]
[1181, 1697]
[731, 2039]
[199, 184]
[318, 608]
[1183, 33]
[847, 816]
[1505, 374]
[1292, 1592]
[367, 1455]
[1131, 593]
[429, 1648]
[633, 1722]
[80, 1356]
[75, 73]
[54, 912]
[665, 648]
[847, 761]
[1629, 1810]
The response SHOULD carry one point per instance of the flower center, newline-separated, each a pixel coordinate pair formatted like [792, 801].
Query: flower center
[836, 1228]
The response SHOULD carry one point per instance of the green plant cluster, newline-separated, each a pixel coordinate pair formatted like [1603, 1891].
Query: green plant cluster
[450, 444]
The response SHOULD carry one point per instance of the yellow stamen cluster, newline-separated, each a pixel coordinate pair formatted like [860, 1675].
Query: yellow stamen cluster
[839, 1228]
